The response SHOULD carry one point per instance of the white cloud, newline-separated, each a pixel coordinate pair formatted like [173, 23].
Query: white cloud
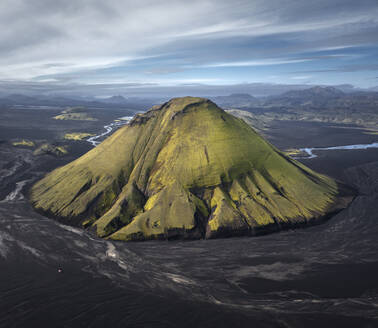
[95, 34]
[301, 77]
[262, 62]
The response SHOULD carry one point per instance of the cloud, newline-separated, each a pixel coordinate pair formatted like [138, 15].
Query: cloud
[345, 69]
[90, 39]
[263, 62]
[301, 77]
[168, 88]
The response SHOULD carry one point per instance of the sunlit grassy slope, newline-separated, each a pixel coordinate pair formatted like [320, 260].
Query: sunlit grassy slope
[75, 114]
[23, 142]
[74, 117]
[186, 169]
[77, 135]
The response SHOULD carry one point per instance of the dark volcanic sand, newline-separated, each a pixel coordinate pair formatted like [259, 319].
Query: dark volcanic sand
[297, 134]
[37, 123]
[320, 276]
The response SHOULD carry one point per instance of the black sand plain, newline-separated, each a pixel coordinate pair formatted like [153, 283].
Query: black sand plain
[52, 275]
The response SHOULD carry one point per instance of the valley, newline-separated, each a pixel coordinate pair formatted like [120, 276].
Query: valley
[301, 282]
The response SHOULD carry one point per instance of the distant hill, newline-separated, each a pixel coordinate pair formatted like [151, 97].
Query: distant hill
[115, 100]
[59, 101]
[315, 97]
[238, 100]
[19, 99]
[75, 114]
[326, 99]
[320, 104]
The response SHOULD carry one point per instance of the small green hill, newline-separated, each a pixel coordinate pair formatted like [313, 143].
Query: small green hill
[187, 169]
[48, 149]
[77, 135]
[23, 143]
[74, 114]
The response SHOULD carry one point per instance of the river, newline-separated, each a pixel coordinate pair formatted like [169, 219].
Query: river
[94, 140]
[310, 151]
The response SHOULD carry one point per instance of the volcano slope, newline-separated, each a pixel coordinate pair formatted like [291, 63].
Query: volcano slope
[187, 169]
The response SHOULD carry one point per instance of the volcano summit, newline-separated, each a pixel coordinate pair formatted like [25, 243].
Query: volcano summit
[187, 169]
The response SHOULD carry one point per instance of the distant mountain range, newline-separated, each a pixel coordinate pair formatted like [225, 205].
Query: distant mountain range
[318, 97]
[236, 99]
[324, 98]
[324, 104]
[114, 101]
[318, 103]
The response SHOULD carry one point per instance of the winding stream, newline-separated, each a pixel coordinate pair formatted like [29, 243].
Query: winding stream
[16, 194]
[108, 128]
[310, 151]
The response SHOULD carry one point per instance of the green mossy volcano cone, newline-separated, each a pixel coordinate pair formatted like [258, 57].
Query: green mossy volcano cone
[187, 169]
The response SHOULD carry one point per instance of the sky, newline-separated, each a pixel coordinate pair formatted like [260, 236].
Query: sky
[145, 44]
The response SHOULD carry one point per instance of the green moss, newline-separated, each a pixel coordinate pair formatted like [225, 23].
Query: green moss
[77, 135]
[250, 203]
[51, 150]
[74, 117]
[225, 215]
[75, 114]
[293, 152]
[129, 204]
[24, 143]
[371, 132]
[172, 209]
[185, 169]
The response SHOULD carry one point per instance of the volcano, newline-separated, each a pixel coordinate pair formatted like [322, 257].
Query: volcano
[188, 170]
